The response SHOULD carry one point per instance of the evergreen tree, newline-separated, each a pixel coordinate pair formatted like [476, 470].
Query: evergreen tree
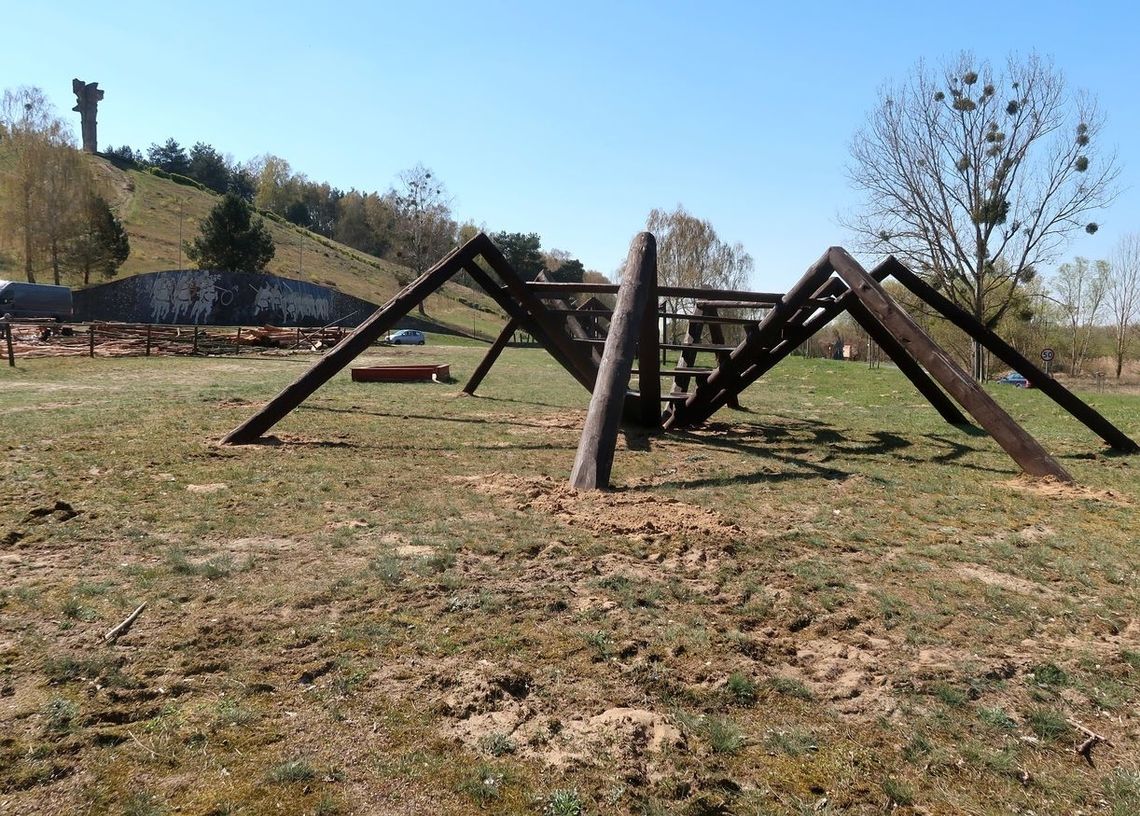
[523, 250]
[232, 239]
[101, 245]
[209, 167]
[170, 157]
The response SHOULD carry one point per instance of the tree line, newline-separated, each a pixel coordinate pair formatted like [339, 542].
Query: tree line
[411, 223]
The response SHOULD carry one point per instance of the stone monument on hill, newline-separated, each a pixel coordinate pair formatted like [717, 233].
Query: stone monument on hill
[87, 97]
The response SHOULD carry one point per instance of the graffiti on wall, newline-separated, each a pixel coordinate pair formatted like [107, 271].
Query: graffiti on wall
[205, 297]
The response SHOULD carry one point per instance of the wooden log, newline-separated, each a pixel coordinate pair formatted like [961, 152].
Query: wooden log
[594, 460]
[907, 365]
[713, 318]
[1026, 451]
[1080, 409]
[491, 356]
[350, 347]
[684, 292]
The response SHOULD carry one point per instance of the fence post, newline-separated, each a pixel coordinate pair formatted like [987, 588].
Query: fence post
[91, 340]
[194, 349]
[148, 340]
[8, 339]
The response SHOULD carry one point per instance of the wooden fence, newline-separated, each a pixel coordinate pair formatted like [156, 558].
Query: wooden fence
[38, 338]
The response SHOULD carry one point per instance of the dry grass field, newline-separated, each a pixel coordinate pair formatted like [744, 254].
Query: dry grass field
[828, 603]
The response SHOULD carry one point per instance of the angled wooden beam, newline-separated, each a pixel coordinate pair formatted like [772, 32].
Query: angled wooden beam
[800, 328]
[539, 331]
[594, 460]
[351, 346]
[1026, 451]
[906, 364]
[574, 353]
[491, 356]
[1080, 409]
[713, 393]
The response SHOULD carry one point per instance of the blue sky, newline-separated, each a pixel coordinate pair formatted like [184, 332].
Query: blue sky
[571, 120]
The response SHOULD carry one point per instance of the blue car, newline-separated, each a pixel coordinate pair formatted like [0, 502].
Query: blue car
[1013, 378]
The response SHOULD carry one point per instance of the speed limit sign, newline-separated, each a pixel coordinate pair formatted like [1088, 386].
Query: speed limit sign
[1047, 355]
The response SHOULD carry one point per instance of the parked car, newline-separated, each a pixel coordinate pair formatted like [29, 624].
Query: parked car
[407, 337]
[1013, 378]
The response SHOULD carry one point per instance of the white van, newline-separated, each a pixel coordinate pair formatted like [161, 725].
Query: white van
[34, 300]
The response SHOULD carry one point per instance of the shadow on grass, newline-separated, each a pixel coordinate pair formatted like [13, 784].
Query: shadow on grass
[527, 402]
[401, 416]
[278, 442]
[778, 444]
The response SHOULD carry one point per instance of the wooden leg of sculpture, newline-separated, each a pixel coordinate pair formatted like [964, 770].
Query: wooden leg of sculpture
[595, 457]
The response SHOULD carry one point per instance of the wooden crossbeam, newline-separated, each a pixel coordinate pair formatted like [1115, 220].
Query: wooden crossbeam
[1015, 440]
[686, 292]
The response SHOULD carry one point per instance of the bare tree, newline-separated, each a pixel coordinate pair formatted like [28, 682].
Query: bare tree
[31, 138]
[1081, 289]
[1123, 295]
[690, 253]
[425, 230]
[979, 176]
[65, 187]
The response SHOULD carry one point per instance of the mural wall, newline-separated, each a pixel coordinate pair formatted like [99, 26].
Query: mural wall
[206, 298]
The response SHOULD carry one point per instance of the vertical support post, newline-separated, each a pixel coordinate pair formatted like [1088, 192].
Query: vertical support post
[8, 340]
[688, 357]
[195, 347]
[716, 335]
[595, 457]
[648, 361]
[148, 340]
[91, 340]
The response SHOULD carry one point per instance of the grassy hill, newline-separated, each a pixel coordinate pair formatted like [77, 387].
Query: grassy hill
[150, 207]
